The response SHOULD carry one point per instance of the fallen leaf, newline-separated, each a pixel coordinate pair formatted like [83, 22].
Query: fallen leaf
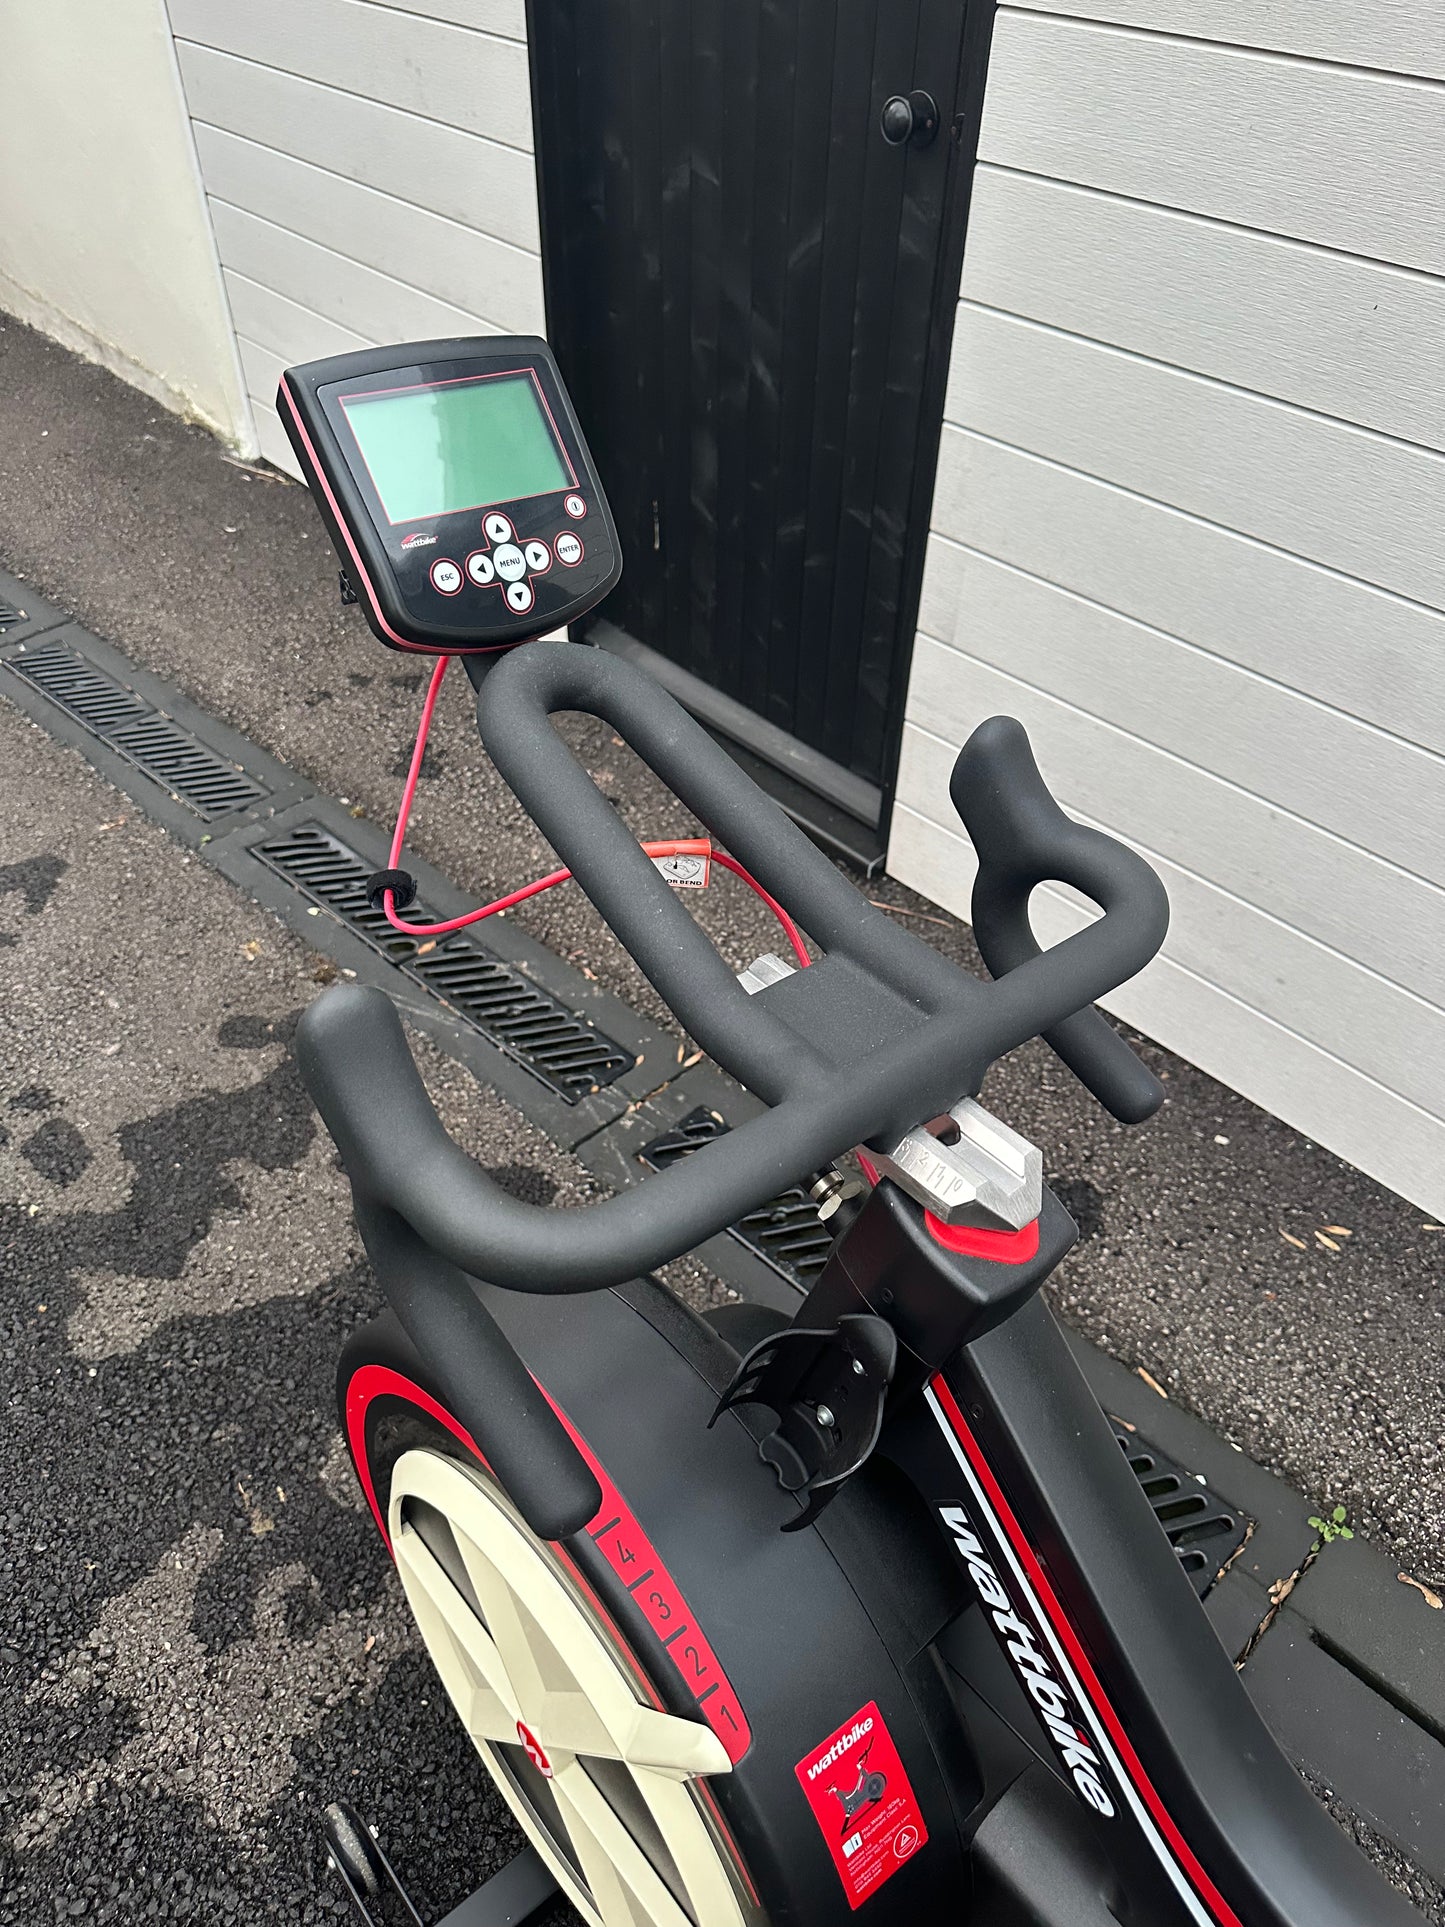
[1151, 1381]
[423, 948]
[251, 949]
[1328, 1243]
[1430, 1597]
[1340, 1230]
[1298, 1243]
[357, 809]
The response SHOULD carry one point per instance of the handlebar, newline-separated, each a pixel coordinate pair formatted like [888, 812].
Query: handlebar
[878, 1035]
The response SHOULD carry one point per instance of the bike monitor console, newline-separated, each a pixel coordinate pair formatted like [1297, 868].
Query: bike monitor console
[455, 483]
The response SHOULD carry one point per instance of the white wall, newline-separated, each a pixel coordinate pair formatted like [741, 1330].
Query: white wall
[1188, 527]
[370, 174]
[104, 238]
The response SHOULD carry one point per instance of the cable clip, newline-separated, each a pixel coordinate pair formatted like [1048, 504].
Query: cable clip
[401, 883]
[684, 862]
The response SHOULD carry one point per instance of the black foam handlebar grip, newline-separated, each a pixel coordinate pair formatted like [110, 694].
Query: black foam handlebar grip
[1022, 839]
[927, 1034]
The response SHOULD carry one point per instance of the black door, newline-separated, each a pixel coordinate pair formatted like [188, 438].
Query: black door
[751, 294]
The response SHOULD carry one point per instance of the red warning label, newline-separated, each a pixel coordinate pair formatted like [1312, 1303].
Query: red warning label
[860, 1796]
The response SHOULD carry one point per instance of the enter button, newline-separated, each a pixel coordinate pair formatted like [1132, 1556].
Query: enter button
[568, 549]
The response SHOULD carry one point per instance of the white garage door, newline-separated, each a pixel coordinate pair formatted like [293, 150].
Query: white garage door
[370, 175]
[1188, 527]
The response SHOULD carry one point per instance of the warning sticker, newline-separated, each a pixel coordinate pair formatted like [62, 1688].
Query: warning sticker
[860, 1796]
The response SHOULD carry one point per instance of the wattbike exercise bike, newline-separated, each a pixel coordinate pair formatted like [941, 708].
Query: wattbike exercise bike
[756, 1619]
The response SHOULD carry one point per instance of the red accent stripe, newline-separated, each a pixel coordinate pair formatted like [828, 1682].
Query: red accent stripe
[974, 1241]
[1069, 1639]
[373, 1381]
[624, 1545]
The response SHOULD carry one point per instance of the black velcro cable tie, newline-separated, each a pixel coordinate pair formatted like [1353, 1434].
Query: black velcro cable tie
[401, 883]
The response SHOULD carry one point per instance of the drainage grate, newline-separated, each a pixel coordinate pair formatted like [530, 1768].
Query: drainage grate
[1204, 1530]
[9, 613]
[784, 1232]
[559, 1049]
[162, 749]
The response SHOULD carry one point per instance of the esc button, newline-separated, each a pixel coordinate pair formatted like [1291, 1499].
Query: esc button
[446, 577]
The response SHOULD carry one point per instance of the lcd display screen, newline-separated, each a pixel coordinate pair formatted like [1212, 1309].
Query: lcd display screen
[459, 445]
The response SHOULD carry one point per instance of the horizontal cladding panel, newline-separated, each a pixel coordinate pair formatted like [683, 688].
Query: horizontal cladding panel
[262, 367]
[472, 271]
[1345, 337]
[1342, 896]
[272, 437]
[1355, 647]
[1395, 36]
[474, 181]
[1315, 152]
[1366, 787]
[465, 79]
[1349, 1113]
[1336, 494]
[1375, 1027]
[369, 304]
[506, 18]
[284, 327]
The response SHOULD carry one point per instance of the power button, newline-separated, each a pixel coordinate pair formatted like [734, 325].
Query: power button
[575, 506]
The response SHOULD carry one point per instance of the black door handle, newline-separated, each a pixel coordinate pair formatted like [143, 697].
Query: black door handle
[909, 119]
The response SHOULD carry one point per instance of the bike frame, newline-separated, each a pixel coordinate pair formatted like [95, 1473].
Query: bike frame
[1088, 1641]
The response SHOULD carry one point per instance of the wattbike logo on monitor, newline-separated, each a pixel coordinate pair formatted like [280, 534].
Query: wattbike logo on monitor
[1037, 1674]
[418, 539]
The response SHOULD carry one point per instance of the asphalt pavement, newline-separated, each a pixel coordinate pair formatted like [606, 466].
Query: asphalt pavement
[173, 1491]
[200, 1636]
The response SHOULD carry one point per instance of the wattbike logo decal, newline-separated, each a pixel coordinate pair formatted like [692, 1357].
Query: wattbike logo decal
[1127, 1786]
[859, 1794]
[1020, 1642]
[418, 541]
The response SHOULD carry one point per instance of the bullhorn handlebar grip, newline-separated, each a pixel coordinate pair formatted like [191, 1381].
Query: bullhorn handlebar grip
[1022, 838]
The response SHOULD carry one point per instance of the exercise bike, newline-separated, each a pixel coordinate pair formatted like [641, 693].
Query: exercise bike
[755, 1618]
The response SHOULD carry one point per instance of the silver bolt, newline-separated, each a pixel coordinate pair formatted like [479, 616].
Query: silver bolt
[858, 1367]
[825, 1415]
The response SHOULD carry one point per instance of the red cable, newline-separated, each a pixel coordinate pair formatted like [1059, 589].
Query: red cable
[660, 848]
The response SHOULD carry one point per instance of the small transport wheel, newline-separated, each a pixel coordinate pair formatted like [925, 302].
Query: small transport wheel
[604, 1783]
[353, 1849]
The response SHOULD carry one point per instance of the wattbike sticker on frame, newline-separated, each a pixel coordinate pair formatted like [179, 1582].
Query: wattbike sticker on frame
[1093, 1746]
[860, 1796]
[1021, 1642]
